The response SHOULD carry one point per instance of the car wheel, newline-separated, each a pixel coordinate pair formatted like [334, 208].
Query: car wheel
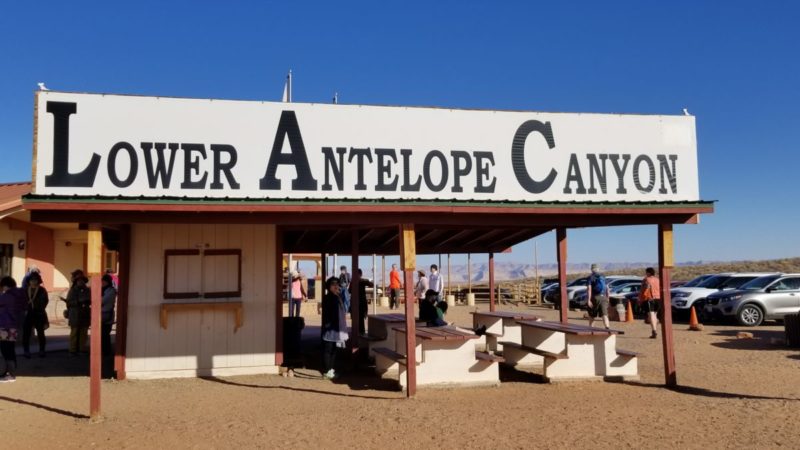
[750, 315]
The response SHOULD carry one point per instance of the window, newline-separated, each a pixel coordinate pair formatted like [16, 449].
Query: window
[6, 255]
[194, 273]
[787, 284]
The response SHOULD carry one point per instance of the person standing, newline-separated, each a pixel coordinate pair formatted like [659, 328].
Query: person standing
[344, 287]
[334, 327]
[32, 269]
[107, 309]
[298, 294]
[597, 296]
[79, 301]
[436, 283]
[650, 298]
[36, 314]
[394, 287]
[363, 284]
[422, 286]
[12, 306]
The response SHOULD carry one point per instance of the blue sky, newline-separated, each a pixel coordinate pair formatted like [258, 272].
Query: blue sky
[734, 65]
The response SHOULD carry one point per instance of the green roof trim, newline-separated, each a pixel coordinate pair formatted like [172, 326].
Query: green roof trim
[360, 202]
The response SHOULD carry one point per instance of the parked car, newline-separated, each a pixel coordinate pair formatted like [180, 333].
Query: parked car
[578, 299]
[683, 298]
[617, 289]
[697, 280]
[764, 298]
[554, 294]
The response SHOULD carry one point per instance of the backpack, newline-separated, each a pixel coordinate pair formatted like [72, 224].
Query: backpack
[598, 284]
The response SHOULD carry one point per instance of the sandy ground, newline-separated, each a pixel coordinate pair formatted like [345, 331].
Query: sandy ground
[740, 393]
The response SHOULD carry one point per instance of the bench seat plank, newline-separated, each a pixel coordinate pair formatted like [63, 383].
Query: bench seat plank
[485, 356]
[622, 352]
[535, 351]
[569, 328]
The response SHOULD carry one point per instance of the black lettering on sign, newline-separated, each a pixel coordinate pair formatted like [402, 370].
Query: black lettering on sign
[112, 164]
[162, 169]
[597, 169]
[637, 176]
[482, 172]
[61, 176]
[385, 169]
[518, 156]
[288, 126]
[574, 176]
[360, 154]
[224, 167]
[620, 171]
[191, 164]
[407, 185]
[331, 166]
[671, 175]
[462, 165]
[426, 170]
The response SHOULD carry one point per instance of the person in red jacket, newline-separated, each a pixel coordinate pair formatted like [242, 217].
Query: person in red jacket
[650, 298]
[394, 287]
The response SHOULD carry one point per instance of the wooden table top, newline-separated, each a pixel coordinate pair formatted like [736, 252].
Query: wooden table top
[440, 333]
[570, 328]
[507, 315]
[388, 317]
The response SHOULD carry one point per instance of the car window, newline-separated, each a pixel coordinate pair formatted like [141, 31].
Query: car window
[759, 283]
[735, 282]
[787, 284]
[714, 282]
[696, 281]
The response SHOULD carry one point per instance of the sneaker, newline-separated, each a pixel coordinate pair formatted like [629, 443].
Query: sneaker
[653, 335]
[8, 379]
[481, 330]
[329, 375]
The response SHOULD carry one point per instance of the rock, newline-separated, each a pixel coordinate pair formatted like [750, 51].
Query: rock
[744, 335]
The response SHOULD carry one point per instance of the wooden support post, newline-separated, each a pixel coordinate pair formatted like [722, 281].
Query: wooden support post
[492, 300]
[665, 264]
[121, 336]
[94, 266]
[561, 239]
[355, 309]
[278, 296]
[449, 288]
[408, 260]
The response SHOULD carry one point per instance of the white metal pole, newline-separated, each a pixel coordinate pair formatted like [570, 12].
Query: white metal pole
[374, 285]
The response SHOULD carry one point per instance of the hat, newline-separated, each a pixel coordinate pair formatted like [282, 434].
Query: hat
[595, 268]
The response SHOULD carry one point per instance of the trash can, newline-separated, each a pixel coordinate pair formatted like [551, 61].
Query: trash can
[292, 334]
[791, 326]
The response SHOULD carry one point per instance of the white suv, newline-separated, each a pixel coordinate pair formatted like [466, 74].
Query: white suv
[684, 298]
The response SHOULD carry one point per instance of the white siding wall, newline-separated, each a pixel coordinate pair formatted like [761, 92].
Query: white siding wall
[9, 236]
[201, 342]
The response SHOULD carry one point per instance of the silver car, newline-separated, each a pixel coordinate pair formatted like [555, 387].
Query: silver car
[767, 297]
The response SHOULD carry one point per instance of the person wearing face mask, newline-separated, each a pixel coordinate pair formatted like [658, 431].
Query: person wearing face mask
[36, 315]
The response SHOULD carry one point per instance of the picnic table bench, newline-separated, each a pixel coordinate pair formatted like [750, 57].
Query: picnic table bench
[571, 351]
[444, 355]
[502, 326]
[379, 331]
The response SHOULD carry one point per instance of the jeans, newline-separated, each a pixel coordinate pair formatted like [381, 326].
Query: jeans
[394, 298]
[78, 339]
[295, 303]
[328, 355]
[105, 339]
[8, 350]
[27, 329]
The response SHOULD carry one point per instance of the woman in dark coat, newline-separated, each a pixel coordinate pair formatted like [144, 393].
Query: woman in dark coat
[79, 301]
[36, 315]
[334, 326]
[12, 306]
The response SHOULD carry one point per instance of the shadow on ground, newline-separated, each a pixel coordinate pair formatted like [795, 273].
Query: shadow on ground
[761, 340]
[702, 392]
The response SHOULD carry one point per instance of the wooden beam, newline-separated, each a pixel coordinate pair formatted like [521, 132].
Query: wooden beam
[278, 258]
[665, 264]
[451, 239]
[408, 261]
[561, 250]
[123, 291]
[95, 268]
[492, 300]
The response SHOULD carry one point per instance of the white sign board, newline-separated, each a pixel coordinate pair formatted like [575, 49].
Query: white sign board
[130, 146]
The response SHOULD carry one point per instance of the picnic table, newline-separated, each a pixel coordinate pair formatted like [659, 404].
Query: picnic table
[502, 326]
[444, 356]
[572, 351]
[379, 331]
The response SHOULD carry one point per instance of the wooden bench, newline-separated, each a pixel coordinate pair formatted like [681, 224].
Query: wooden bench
[570, 328]
[535, 351]
[621, 352]
[370, 338]
[485, 356]
[392, 355]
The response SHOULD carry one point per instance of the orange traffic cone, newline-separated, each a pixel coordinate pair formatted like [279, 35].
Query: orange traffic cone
[629, 313]
[694, 325]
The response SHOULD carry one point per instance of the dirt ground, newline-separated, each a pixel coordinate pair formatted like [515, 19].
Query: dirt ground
[740, 393]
